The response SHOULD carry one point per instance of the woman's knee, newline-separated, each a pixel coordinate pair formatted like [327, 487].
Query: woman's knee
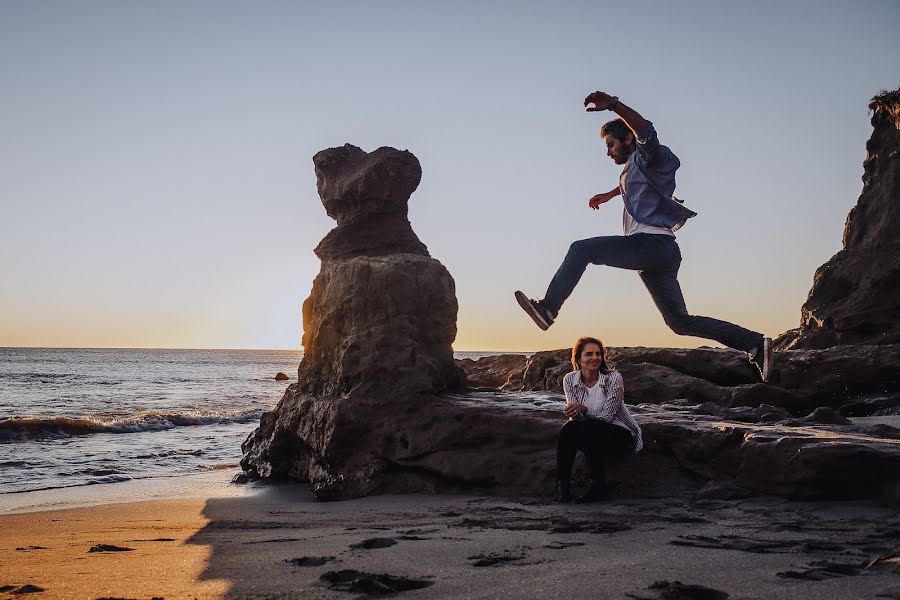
[568, 429]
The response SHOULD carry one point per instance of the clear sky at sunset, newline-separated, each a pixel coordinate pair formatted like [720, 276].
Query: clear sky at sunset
[157, 186]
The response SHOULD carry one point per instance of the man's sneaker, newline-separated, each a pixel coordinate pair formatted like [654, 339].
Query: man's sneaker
[539, 313]
[763, 359]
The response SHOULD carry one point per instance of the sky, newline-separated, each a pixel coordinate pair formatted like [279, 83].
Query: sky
[157, 186]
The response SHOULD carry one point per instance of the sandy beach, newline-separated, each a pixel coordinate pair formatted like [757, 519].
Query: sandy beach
[279, 542]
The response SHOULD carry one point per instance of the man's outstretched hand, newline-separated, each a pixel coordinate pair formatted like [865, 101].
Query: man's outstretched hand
[599, 199]
[600, 100]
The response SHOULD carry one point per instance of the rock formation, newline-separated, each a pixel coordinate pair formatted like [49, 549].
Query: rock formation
[855, 297]
[856, 380]
[378, 327]
[378, 406]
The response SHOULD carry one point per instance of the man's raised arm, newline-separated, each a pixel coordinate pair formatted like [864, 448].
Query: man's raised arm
[603, 101]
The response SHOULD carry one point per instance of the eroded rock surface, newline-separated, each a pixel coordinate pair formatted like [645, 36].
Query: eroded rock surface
[378, 327]
[857, 380]
[500, 371]
[855, 296]
[367, 193]
[379, 405]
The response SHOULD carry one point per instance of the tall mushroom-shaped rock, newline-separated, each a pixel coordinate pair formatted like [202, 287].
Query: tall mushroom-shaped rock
[378, 327]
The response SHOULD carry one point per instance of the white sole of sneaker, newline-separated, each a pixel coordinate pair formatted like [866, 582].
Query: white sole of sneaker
[529, 309]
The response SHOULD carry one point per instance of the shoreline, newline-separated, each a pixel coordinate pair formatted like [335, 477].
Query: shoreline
[214, 484]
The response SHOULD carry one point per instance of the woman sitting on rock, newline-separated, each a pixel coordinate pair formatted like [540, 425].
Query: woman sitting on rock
[599, 423]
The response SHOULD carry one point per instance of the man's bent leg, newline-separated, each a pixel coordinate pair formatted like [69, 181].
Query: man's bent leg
[666, 292]
[633, 252]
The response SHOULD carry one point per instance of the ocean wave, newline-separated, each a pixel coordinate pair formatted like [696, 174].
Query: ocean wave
[32, 378]
[219, 466]
[169, 453]
[15, 429]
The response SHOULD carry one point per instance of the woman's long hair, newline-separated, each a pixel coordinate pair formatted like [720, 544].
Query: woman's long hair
[579, 347]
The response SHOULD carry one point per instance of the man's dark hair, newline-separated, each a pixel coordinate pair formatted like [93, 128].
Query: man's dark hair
[616, 128]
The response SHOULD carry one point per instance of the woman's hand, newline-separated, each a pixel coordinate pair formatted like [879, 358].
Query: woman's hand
[574, 409]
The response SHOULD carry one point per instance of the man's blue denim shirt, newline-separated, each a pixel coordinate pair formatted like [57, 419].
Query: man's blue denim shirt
[648, 183]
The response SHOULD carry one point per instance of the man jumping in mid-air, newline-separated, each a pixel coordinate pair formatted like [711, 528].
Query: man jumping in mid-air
[651, 216]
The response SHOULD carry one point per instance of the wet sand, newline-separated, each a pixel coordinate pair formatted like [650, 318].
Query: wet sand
[281, 543]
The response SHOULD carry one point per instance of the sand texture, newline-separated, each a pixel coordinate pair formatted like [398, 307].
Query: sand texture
[281, 543]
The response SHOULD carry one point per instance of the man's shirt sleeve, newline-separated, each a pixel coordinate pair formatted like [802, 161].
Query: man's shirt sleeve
[648, 145]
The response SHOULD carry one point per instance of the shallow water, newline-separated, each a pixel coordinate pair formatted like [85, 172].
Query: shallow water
[75, 417]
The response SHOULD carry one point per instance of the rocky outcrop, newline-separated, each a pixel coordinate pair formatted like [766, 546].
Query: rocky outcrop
[500, 371]
[379, 405]
[857, 380]
[378, 327]
[710, 428]
[855, 296]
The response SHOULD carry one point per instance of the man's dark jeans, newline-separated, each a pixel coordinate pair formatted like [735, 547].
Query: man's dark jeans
[656, 258]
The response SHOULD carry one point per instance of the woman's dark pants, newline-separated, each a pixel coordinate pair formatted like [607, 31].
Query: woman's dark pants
[598, 440]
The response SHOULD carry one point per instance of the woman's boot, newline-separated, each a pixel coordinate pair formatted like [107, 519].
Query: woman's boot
[595, 493]
[563, 491]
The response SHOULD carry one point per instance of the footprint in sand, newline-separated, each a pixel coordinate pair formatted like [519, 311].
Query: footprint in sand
[419, 531]
[374, 544]
[493, 559]
[561, 545]
[309, 561]
[25, 589]
[823, 569]
[663, 590]
[109, 548]
[371, 584]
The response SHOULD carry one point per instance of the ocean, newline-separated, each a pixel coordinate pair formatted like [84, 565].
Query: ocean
[82, 417]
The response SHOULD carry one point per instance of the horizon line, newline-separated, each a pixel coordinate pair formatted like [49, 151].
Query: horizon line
[213, 349]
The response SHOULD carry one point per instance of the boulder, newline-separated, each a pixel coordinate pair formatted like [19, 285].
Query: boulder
[281, 376]
[855, 296]
[367, 193]
[856, 380]
[500, 371]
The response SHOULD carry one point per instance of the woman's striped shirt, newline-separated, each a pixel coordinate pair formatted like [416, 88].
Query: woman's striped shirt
[612, 409]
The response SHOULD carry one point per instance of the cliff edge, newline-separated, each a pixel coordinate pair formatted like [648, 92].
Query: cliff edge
[855, 296]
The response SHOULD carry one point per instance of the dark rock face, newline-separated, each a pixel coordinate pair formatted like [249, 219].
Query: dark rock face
[494, 371]
[858, 380]
[855, 297]
[367, 194]
[378, 327]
